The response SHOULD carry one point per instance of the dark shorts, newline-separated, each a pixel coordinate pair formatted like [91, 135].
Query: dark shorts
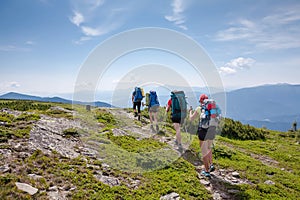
[177, 120]
[138, 105]
[154, 108]
[207, 133]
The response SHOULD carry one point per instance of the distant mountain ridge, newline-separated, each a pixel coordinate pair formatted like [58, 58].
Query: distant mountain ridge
[18, 96]
[275, 107]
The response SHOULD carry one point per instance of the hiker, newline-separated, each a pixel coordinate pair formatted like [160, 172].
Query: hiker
[177, 103]
[153, 106]
[137, 97]
[206, 130]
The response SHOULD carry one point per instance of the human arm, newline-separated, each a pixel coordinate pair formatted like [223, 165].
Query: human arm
[132, 97]
[168, 105]
[192, 115]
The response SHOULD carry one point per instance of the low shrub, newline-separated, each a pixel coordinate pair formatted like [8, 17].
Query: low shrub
[236, 130]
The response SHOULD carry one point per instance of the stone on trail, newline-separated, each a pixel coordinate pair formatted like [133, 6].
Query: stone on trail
[26, 188]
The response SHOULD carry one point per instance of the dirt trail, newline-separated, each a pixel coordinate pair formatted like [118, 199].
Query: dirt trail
[262, 158]
[221, 179]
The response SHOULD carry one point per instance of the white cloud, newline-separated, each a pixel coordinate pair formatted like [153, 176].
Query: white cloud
[97, 3]
[77, 19]
[236, 65]
[177, 16]
[95, 18]
[227, 70]
[278, 30]
[90, 31]
[14, 85]
[82, 40]
[13, 48]
[8, 86]
[284, 16]
[29, 42]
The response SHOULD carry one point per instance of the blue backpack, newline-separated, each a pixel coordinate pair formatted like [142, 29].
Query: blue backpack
[212, 114]
[138, 94]
[153, 100]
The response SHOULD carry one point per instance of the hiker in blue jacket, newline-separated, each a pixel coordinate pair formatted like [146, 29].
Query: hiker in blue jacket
[137, 97]
[153, 110]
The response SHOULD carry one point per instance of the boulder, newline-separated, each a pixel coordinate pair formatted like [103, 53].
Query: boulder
[26, 188]
[171, 196]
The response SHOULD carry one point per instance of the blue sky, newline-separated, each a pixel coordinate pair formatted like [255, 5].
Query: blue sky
[43, 43]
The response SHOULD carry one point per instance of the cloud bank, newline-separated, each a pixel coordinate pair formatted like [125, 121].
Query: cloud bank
[278, 30]
[236, 65]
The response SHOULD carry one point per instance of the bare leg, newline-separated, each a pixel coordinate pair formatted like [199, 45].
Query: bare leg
[150, 116]
[178, 135]
[155, 121]
[205, 154]
[155, 118]
[210, 151]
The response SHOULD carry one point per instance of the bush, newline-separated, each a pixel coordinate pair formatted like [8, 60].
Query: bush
[4, 117]
[105, 117]
[24, 105]
[27, 117]
[59, 114]
[236, 130]
[71, 132]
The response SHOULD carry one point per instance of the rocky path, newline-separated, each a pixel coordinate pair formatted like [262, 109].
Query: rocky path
[47, 135]
[221, 178]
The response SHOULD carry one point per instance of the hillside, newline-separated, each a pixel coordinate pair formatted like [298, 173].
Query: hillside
[18, 96]
[273, 106]
[54, 151]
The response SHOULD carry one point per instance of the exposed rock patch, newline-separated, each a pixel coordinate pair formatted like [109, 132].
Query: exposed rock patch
[26, 188]
[47, 135]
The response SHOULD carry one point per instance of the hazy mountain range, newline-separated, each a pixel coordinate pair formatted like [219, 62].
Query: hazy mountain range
[14, 95]
[272, 106]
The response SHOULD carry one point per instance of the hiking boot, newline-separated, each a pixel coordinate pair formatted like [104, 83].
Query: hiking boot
[212, 168]
[139, 117]
[206, 174]
[152, 129]
[157, 128]
[180, 148]
[135, 114]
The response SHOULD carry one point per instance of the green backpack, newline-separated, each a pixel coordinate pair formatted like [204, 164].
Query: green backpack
[179, 104]
[147, 99]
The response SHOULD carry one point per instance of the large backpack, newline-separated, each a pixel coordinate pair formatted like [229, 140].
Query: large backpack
[179, 104]
[153, 100]
[139, 94]
[212, 114]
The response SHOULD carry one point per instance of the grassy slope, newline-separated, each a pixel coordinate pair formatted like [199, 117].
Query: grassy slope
[180, 176]
[276, 159]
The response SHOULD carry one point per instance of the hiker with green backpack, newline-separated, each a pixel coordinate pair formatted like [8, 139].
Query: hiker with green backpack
[208, 114]
[153, 107]
[137, 97]
[178, 105]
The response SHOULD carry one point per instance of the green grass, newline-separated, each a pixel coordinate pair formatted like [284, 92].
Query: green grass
[287, 184]
[157, 167]
[24, 105]
[131, 144]
[59, 171]
[16, 127]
